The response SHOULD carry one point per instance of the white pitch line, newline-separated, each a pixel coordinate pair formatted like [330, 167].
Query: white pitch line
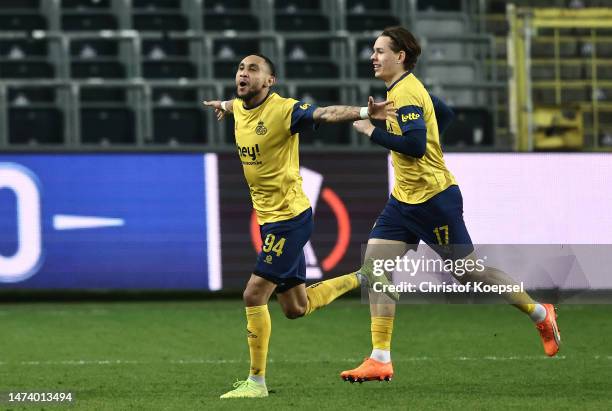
[291, 361]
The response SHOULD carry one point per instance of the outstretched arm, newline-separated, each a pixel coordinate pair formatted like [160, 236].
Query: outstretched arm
[337, 114]
[221, 107]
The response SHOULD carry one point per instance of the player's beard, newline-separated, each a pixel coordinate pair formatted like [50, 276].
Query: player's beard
[248, 95]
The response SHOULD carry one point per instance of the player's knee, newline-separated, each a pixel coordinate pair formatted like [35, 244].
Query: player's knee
[295, 311]
[252, 296]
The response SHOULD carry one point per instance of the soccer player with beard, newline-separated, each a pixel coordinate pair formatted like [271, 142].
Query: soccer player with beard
[267, 128]
[425, 203]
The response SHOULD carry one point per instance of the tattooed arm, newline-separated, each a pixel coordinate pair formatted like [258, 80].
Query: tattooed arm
[336, 114]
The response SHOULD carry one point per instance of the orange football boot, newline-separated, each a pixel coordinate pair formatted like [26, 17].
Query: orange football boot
[369, 370]
[549, 331]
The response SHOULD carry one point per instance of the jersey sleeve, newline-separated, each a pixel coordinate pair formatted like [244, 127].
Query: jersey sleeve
[410, 113]
[302, 117]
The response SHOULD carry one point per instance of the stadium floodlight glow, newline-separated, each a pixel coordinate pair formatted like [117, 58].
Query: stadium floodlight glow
[24, 263]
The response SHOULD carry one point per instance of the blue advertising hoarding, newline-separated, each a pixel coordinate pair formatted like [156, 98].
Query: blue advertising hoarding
[109, 221]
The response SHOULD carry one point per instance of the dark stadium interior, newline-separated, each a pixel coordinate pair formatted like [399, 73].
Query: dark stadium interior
[193, 46]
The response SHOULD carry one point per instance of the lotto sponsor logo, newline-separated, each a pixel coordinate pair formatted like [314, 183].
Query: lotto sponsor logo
[410, 116]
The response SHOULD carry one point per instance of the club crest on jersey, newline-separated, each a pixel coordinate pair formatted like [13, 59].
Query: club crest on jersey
[260, 130]
[410, 116]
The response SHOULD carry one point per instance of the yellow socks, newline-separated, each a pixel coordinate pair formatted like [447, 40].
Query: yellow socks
[526, 308]
[259, 328]
[535, 311]
[323, 293]
[382, 329]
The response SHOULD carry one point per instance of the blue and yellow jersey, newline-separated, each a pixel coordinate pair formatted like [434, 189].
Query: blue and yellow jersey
[267, 144]
[416, 179]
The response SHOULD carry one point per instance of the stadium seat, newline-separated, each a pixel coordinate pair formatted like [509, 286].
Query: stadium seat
[162, 48]
[327, 133]
[17, 49]
[22, 21]
[228, 48]
[157, 21]
[99, 69]
[170, 96]
[22, 15]
[176, 125]
[603, 73]
[107, 125]
[20, 4]
[577, 95]
[225, 69]
[305, 15]
[452, 71]
[369, 15]
[362, 15]
[157, 4]
[106, 116]
[168, 69]
[167, 58]
[448, 49]
[319, 95]
[86, 4]
[461, 97]
[158, 16]
[238, 21]
[439, 23]
[227, 53]
[470, 127]
[364, 63]
[33, 126]
[88, 22]
[26, 69]
[439, 5]
[25, 58]
[94, 47]
[232, 15]
[103, 95]
[304, 49]
[303, 21]
[312, 68]
[545, 49]
[87, 15]
[221, 5]
[27, 96]
[96, 57]
[309, 59]
[545, 97]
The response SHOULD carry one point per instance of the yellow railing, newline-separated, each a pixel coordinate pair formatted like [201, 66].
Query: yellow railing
[529, 27]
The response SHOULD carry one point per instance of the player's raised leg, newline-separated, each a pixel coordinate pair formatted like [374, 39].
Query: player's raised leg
[259, 326]
[544, 316]
[300, 300]
[447, 233]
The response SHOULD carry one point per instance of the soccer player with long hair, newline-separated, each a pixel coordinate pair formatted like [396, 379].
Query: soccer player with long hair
[267, 130]
[425, 203]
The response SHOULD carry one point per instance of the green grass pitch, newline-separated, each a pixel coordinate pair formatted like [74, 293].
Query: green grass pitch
[183, 355]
